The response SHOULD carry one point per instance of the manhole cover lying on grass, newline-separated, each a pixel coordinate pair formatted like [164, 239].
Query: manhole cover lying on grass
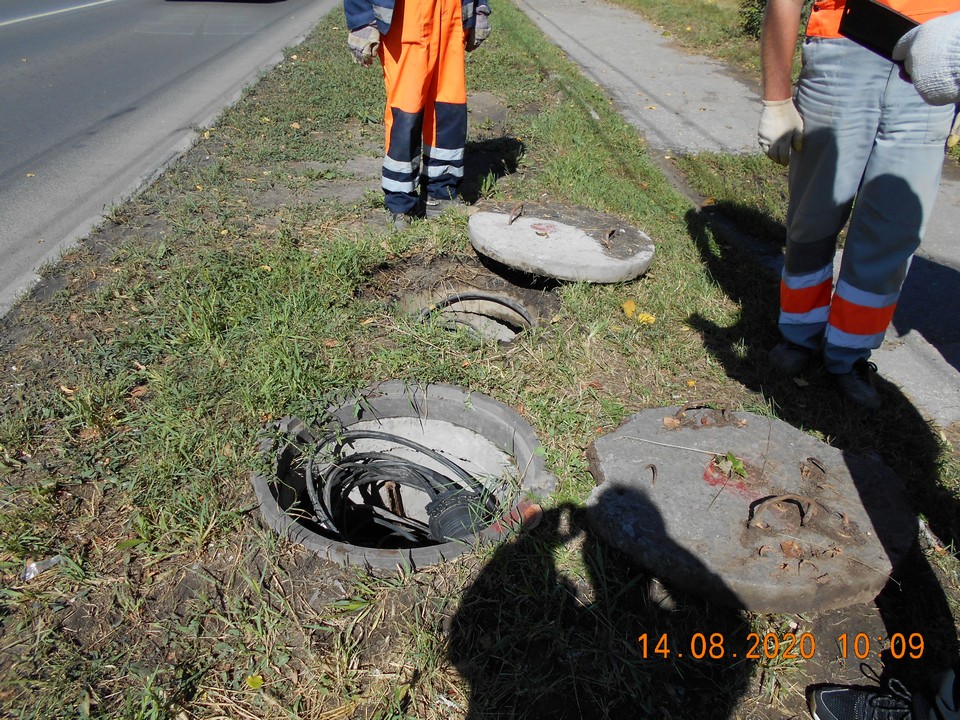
[402, 475]
[575, 244]
[748, 510]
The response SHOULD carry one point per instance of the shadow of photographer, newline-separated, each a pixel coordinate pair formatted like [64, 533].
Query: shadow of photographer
[560, 625]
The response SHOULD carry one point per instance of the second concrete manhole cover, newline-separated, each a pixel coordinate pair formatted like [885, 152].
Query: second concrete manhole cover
[748, 510]
[575, 244]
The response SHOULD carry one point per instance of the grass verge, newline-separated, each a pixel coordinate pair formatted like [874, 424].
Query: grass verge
[248, 283]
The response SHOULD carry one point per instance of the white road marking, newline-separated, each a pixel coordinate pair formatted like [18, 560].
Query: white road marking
[54, 12]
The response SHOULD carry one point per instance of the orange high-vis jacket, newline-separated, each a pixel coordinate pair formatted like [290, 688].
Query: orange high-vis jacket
[825, 16]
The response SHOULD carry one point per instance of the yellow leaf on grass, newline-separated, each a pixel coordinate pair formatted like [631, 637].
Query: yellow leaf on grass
[295, 125]
[691, 383]
[89, 433]
[646, 319]
[255, 682]
[629, 308]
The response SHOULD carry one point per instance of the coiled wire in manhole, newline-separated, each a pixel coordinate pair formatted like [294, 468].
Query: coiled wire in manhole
[524, 320]
[459, 505]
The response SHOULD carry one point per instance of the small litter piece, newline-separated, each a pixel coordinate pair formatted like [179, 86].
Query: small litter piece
[574, 244]
[747, 510]
[32, 569]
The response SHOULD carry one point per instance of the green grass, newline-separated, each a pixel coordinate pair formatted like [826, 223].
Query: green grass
[232, 292]
[712, 27]
[749, 189]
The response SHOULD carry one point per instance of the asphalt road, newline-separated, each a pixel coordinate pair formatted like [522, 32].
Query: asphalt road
[96, 96]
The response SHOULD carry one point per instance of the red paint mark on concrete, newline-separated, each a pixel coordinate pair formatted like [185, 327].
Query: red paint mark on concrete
[714, 476]
[544, 227]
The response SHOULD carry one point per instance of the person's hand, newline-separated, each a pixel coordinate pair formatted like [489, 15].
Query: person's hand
[481, 28]
[364, 43]
[931, 56]
[781, 128]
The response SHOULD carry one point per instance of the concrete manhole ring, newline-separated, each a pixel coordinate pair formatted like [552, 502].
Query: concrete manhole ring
[487, 438]
[487, 314]
[460, 291]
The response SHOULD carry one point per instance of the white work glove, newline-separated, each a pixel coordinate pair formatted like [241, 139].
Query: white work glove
[781, 128]
[481, 28]
[931, 56]
[364, 43]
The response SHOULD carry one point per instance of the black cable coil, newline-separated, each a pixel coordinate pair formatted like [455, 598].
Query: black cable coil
[459, 505]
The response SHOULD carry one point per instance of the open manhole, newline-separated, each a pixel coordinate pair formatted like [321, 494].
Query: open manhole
[401, 475]
[748, 510]
[485, 314]
[461, 292]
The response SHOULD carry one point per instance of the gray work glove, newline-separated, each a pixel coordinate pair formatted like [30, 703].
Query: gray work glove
[931, 56]
[481, 28]
[781, 128]
[364, 43]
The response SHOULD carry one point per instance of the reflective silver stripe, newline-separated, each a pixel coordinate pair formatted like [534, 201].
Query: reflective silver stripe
[813, 317]
[399, 166]
[849, 340]
[384, 15]
[808, 280]
[397, 186]
[434, 171]
[443, 153]
[861, 297]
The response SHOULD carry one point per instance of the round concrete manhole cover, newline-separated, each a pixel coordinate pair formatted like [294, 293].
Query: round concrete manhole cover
[748, 510]
[401, 475]
[574, 244]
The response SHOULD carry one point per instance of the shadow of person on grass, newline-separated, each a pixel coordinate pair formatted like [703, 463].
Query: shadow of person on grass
[914, 601]
[486, 161]
[560, 625]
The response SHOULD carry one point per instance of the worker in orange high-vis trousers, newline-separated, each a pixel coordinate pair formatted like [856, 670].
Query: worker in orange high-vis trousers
[421, 45]
[862, 146]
